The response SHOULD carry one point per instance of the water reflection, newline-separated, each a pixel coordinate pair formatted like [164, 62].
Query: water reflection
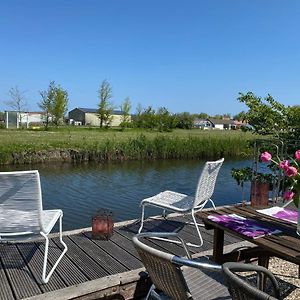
[80, 190]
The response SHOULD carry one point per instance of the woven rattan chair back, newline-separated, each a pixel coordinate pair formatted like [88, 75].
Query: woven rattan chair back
[166, 276]
[207, 181]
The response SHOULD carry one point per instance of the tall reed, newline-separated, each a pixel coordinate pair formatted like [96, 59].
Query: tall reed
[141, 146]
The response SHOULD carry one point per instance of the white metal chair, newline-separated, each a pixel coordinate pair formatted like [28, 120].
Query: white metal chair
[181, 203]
[21, 212]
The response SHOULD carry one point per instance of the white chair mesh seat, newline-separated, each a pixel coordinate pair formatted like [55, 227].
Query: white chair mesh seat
[21, 212]
[19, 221]
[171, 200]
[181, 203]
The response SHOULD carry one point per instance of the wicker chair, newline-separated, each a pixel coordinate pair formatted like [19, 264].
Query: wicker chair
[196, 280]
[241, 288]
[181, 203]
[22, 216]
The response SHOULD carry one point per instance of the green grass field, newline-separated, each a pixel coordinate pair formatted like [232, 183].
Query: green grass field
[133, 143]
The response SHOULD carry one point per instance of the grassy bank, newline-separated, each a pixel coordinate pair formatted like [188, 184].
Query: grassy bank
[25, 146]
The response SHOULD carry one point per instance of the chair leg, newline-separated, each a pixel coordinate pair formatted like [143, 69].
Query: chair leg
[45, 278]
[142, 219]
[198, 231]
[152, 288]
[194, 223]
[213, 204]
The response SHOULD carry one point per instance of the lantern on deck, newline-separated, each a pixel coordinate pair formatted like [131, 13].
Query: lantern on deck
[102, 225]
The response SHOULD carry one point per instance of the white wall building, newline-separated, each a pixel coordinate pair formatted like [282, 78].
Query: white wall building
[14, 119]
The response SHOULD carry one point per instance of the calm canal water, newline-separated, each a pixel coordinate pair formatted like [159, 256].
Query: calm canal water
[80, 190]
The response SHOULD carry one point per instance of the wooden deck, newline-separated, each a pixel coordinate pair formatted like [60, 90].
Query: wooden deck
[91, 269]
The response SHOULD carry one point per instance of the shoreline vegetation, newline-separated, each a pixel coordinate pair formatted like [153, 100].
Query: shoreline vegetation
[79, 144]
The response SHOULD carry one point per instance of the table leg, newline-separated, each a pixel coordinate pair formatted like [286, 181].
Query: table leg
[218, 245]
[263, 260]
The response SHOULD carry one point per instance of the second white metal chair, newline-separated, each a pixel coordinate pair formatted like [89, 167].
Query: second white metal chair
[181, 203]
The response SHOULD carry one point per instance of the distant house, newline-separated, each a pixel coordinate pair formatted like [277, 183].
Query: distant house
[214, 124]
[89, 116]
[14, 119]
[202, 123]
[222, 124]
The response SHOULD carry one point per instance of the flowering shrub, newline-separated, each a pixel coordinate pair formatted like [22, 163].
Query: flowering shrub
[291, 170]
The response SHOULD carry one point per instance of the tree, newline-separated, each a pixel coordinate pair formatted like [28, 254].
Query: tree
[138, 116]
[226, 116]
[105, 107]
[184, 120]
[203, 115]
[293, 116]
[60, 105]
[165, 121]
[125, 108]
[47, 101]
[267, 116]
[148, 119]
[54, 103]
[241, 116]
[217, 116]
[17, 101]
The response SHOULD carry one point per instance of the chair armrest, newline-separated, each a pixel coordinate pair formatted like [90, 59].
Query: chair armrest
[196, 264]
[177, 259]
[230, 267]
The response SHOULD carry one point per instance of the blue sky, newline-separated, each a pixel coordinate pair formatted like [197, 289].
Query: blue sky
[191, 55]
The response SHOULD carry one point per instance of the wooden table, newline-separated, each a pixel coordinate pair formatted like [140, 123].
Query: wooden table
[285, 245]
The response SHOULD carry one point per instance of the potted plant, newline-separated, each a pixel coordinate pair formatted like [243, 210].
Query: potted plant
[261, 183]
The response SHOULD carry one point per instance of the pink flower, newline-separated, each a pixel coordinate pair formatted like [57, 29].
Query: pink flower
[297, 154]
[284, 164]
[290, 172]
[288, 195]
[265, 156]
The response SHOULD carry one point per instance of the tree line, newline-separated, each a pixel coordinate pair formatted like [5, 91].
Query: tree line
[54, 103]
[266, 115]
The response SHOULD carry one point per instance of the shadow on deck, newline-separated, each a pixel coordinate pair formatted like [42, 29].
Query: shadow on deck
[91, 269]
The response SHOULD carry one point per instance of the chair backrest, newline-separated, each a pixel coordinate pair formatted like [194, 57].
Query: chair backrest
[207, 181]
[241, 287]
[20, 204]
[166, 276]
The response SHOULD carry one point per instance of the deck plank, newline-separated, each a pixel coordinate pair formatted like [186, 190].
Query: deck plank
[66, 269]
[124, 257]
[87, 261]
[125, 242]
[34, 260]
[22, 281]
[155, 226]
[85, 264]
[103, 259]
[5, 288]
